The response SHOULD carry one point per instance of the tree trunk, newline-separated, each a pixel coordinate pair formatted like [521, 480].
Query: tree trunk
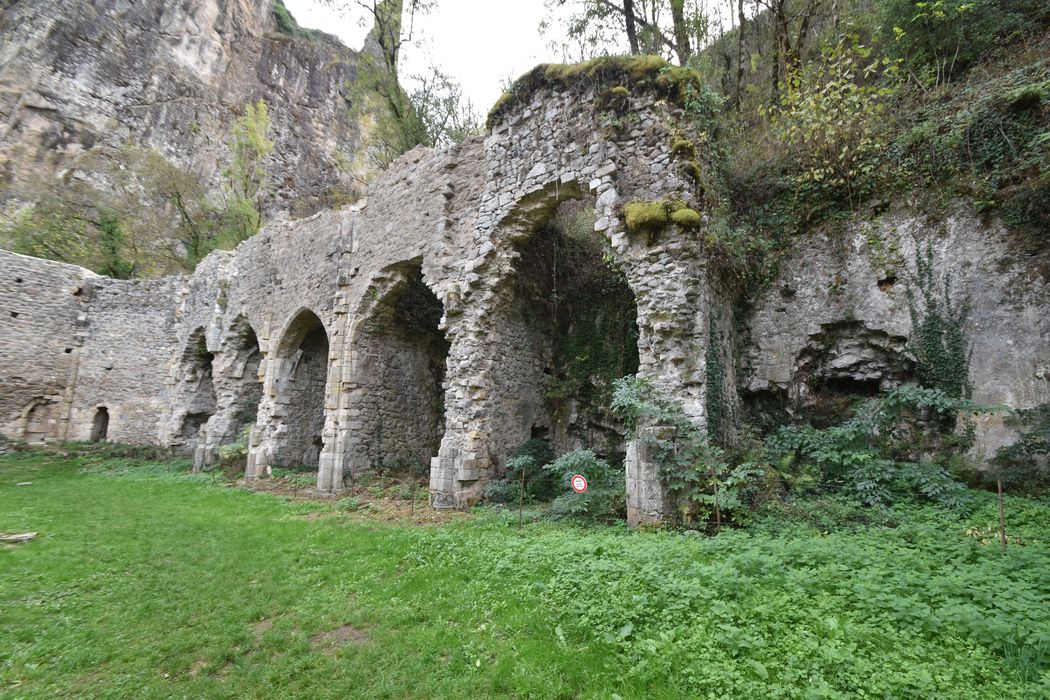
[632, 28]
[681, 32]
[739, 52]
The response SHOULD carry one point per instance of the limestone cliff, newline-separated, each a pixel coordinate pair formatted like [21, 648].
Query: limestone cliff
[77, 75]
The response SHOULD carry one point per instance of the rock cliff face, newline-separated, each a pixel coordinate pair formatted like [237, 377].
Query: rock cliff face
[78, 75]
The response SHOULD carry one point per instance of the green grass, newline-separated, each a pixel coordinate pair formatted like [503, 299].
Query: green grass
[146, 582]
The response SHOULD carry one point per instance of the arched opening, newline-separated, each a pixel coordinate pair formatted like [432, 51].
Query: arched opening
[401, 355]
[574, 323]
[100, 424]
[196, 393]
[244, 387]
[300, 400]
[840, 365]
[39, 422]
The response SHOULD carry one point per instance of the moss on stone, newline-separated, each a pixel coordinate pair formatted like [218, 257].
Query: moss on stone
[631, 73]
[645, 217]
[692, 169]
[615, 99]
[683, 148]
[687, 218]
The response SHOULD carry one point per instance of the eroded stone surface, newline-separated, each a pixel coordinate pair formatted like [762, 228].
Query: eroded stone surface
[460, 383]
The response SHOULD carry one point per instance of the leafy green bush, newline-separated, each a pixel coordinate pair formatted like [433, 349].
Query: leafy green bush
[833, 119]
[527, 461]
[350, 504]
[605, 495]
[238, 449]
[703, 487]
[939, 39]
[896, 445]
[1025, 465]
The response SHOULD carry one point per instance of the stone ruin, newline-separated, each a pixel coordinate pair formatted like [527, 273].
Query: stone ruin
[399, 328]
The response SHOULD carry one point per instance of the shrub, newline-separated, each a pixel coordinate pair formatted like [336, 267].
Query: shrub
[939, 39]
[238, 449]
[528, 459]
[1025, 464]
[897, 445]
[701, 484]
[605, 496]
[832, 119]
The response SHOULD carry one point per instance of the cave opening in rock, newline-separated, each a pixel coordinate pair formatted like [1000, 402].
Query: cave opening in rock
[577, 323]
[402, 354]
[300, 400]
[196, 393]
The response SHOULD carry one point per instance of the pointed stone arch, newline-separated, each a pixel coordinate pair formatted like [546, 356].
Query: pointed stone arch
[238, 388]
[395, 385]
[297, 417]
[194, 395]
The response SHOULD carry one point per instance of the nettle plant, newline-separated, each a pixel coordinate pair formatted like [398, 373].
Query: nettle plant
[900, 444]
[703, 486]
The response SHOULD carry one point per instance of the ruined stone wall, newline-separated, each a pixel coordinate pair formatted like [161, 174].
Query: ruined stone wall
[306, 338]
[457, 217]
[125, 360]
[41, 319]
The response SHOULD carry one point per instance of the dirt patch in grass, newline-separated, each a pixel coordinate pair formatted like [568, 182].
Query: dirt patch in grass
[332, 640]
[198, 666]
[376, 498]
[262, 627]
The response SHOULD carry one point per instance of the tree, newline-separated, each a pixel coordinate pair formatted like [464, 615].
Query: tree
[246, 175]
[446, 115]
[788, 18]
[600, 25]
[393, 120]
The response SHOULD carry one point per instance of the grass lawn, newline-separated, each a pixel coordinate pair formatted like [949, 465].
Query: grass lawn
[148, 583]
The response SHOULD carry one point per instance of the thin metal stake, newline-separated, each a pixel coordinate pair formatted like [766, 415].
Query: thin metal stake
[521, 496]
[1002, 517]
[412, 492]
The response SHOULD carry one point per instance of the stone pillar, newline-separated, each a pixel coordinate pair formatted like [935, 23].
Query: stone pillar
[646, 500]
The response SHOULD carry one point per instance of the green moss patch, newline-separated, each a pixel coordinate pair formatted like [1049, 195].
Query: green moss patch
[645, 217]
[651, 217]
[683, 148]
[613, 73]
[687, 218]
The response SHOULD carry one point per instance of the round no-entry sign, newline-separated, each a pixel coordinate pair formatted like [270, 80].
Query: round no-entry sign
[579, 483]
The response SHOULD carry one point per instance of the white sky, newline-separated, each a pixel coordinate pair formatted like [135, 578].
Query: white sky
[480, 43]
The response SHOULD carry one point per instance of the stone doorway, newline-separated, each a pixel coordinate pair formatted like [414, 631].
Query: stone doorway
[300, 397]
[400, 354]
[100, 424]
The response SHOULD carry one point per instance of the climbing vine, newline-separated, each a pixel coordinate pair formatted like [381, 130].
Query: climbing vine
[715, 399]
[938, 337]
